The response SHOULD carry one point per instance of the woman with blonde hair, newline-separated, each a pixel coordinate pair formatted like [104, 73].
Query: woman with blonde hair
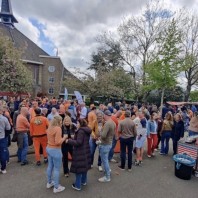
[55, 140]
[166, 133]
[66, 148]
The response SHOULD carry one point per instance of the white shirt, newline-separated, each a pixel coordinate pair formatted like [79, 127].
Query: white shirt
[4, 125]
[83, 113]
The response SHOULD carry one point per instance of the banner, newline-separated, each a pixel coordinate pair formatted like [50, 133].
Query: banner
[78, 97]
[66, 94]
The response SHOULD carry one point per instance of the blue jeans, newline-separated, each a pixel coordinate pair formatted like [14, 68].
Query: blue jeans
[111, 152]
[80, 179]
[54, 164]
[93, 146]
[192, 133]
[166, 135]
[23, 149]
[104, 154]
[126, 143]
[3, 152]
[8, 153]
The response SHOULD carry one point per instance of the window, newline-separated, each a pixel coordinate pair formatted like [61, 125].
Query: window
[51, 90]
[51, 69]
[36, 74]
[51, 79]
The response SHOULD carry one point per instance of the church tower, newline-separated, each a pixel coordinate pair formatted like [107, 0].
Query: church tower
[6, 14]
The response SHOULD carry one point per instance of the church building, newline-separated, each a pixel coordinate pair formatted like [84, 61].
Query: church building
[48, 72]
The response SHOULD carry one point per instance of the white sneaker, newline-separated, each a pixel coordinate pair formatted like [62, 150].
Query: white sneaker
[4, 171]
[59, 189]
[153, 154]
[100, 168]
[104, 179]
[50, 185]
[113, 161]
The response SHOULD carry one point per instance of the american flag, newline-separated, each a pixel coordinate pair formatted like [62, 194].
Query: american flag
[190, 150]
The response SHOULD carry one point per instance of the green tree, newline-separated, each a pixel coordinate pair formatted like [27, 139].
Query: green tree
[194, 96]
[105, 60]
[137, 37]
[116, 83]
[163, 72]
[15, 77]
[189, 27]
[175, 94]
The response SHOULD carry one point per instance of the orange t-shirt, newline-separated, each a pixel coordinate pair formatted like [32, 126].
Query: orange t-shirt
[32, 113]
[115, 121]
[67, 105]
[122, 117]
[22, 124]
[38, 126]
[93, 124]
[7, 114]
[54, 136]
[92, 118]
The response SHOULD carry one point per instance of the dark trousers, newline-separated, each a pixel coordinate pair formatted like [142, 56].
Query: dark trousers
[175, 143]
[66, 149]
[126, 144]
[159, 140]
[111, 152]
[3, 152]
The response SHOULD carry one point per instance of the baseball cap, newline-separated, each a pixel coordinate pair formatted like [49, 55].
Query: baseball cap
[107, 112]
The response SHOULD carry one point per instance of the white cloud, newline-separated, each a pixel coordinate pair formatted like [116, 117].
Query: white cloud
[73, 25]
[26, 27]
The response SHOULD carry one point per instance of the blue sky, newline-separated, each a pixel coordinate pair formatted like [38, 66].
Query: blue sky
[72, 26]
[47, 44]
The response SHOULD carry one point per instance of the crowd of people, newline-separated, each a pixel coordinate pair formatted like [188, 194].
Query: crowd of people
[59, 129]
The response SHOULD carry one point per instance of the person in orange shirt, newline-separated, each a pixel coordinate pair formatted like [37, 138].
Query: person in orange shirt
[7, 114]
[122, 117]
[115, 119]
[55, 140]
[38, 127]
[67, 104]
[22, 128]
[93, 125]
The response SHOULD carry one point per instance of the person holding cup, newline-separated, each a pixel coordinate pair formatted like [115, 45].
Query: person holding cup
[55, 140]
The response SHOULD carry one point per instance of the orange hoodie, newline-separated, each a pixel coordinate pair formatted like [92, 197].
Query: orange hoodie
[38, 126]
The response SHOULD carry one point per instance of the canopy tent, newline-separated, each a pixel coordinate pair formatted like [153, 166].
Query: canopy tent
[182, 103]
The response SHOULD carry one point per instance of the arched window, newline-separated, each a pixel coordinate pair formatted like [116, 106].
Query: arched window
[51, 90]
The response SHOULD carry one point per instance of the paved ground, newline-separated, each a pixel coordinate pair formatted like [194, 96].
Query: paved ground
[154, 179]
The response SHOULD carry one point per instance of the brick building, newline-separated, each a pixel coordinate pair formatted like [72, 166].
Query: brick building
[47, 71]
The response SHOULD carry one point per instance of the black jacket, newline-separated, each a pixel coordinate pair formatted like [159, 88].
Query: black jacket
[81, 159]
[178, 130]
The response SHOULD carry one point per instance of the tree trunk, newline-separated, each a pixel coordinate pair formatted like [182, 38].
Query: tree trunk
[162, 100]
[187, 94]
[91, 100]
